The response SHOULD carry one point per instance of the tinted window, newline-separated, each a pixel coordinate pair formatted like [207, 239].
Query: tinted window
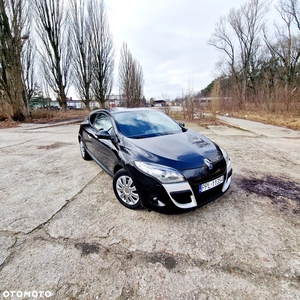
[145, 123]
[102, 122]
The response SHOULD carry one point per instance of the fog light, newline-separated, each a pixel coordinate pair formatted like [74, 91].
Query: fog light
[157, 202]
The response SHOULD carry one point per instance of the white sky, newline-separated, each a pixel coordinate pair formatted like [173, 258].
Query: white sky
[169, 39]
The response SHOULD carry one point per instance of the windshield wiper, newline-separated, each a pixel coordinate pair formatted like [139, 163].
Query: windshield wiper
[144, 136]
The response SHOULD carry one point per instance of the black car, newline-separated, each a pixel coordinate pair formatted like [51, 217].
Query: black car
[155, 162]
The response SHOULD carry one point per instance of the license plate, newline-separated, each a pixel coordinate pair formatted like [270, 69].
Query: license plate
[211, 184]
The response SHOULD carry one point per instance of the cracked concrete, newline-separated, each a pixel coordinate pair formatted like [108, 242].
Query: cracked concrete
[62, 229]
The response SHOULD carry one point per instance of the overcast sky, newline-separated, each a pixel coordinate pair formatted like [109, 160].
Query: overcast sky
[169, 39]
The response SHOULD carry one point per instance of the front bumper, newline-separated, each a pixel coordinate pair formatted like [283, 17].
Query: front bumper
[183, 196]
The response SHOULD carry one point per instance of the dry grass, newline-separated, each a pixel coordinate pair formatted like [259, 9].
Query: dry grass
[8, 123]
[45, 116]
[209, 121]
[204, 120]
[41, 116]
[283, 120]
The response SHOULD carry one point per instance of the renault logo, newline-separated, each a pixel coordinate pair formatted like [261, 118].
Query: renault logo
[208, 163]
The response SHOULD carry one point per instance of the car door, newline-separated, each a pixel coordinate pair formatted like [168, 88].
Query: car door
[88, 132]
[104, 150]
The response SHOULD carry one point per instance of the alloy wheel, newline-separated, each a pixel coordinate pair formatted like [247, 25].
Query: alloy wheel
[126, 190]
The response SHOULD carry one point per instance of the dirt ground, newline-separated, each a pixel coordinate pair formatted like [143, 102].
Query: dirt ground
[63, 234]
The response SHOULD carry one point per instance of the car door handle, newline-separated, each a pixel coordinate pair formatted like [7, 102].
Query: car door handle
[89, 136]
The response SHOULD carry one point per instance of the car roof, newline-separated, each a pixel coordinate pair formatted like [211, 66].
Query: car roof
[116, 110]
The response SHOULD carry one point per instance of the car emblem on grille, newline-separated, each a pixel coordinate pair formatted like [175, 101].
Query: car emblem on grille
[208, 163]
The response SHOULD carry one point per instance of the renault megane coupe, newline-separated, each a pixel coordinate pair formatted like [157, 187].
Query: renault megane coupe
[154, 161]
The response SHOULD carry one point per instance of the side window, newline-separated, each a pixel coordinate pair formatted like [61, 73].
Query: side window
[92, 118]
[102, 122]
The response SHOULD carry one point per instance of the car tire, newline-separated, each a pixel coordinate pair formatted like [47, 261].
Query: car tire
[125, 190]
[83, 151]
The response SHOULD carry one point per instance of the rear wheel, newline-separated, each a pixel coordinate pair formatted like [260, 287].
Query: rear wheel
[125, 190]
[83, 152]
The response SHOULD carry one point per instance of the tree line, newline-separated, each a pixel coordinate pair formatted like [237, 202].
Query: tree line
[260, 64]
[59, 43]
[56, 44]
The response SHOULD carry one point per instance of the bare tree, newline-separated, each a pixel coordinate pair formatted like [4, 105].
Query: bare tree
[102, 52]
[29, 71]
[223, 40]
[167, 107]
[189, 101]
[13, 18]
[55, 53]
[292, 7]
[243, 46]
[285, 47]
[131, 80]
[81, 40]
[215, 102]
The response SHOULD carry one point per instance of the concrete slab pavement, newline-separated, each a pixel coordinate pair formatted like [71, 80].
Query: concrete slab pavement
[63, 232]
[39, 174]
[260, 128]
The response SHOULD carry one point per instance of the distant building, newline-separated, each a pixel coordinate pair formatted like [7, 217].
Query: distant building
[38, 102]
[159, 103]
[202, 101]
[115, 100]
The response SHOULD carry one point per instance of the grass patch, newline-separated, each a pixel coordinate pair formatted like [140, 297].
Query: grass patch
[8, 123]
[46, 116]
[203, 120]
[283, 120]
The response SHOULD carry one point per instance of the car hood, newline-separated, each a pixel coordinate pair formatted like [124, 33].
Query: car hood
[185, 150]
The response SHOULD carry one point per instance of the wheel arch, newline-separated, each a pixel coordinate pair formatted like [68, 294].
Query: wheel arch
[117, 168]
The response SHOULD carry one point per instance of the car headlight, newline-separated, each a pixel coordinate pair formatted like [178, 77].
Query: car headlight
[162, 173]
[227, 159]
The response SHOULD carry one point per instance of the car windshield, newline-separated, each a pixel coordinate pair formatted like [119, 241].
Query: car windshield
[145, 123]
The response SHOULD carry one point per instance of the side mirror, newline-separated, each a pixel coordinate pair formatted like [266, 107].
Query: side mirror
[182, 125]
[103, 134]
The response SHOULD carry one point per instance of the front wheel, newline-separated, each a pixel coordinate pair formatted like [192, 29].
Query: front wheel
[125, 190]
